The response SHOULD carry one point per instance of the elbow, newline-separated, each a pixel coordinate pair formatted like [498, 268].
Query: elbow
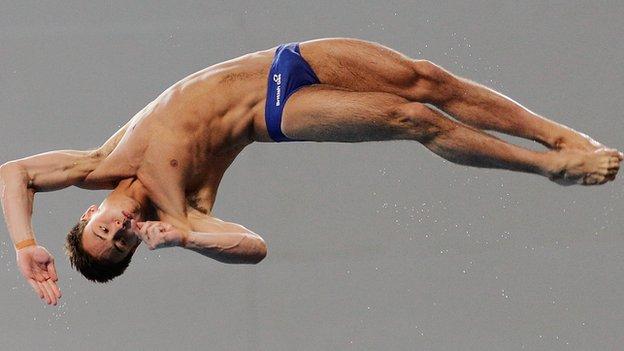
[5, 168]
[10, 168]
[260, 251]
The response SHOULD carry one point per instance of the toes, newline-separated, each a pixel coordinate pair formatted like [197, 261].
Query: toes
[614, 162]
[598, 178]
[614, 167]
[617, 154]
[614, 153]
[590, 179]
[596, 167]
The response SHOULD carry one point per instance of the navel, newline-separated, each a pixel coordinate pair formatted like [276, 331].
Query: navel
[173, 163]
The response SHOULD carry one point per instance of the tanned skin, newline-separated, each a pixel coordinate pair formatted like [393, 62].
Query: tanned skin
[165, 164]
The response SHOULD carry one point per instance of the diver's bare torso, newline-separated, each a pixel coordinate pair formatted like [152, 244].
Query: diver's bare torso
[180, 145]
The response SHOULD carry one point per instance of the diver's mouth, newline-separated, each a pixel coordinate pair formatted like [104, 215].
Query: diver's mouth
[127, 224]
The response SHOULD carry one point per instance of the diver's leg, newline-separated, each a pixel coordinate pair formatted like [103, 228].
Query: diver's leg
[322, 113]
[360, 65]
[484, 108]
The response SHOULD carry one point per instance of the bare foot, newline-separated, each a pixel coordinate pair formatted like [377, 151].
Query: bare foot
[576, 141]
[571, 167]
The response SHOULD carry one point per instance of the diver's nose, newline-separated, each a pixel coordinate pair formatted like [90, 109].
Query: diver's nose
[119, 224]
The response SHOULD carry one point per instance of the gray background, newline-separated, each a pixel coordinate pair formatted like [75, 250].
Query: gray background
[371, 246]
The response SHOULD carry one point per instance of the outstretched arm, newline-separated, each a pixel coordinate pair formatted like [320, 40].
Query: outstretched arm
[223, 241]
[20, 180]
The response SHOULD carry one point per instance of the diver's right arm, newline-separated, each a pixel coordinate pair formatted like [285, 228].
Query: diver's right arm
[19, 181]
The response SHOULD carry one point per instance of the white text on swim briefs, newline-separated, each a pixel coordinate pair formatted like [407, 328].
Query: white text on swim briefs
[277, 78]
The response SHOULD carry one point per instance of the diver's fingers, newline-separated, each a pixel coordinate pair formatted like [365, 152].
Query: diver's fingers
[146, 227]
[36, 288]
[142, 229]
[53, 298]
[46, 294]
[55, 288]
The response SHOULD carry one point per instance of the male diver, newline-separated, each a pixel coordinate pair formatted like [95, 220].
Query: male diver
[164, 166]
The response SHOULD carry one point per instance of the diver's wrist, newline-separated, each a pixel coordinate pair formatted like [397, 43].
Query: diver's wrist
[183, 238]
[22, 244]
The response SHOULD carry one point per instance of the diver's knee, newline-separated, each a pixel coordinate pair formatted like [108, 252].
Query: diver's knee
[416, 121]
[431, 83]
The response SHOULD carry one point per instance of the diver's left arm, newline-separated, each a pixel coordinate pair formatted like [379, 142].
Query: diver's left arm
[223, 241]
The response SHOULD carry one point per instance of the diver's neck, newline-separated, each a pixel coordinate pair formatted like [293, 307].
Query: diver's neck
[134, 189]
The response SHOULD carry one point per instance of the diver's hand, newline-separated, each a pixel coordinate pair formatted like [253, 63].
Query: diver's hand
[37, 266]
[159, 234]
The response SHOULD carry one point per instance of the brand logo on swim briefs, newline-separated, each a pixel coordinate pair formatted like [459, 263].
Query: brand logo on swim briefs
[277, 78]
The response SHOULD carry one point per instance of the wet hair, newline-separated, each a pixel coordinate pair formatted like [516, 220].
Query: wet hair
[91, 268]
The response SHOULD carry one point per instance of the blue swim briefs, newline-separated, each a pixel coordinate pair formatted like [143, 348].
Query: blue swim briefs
[289, 72]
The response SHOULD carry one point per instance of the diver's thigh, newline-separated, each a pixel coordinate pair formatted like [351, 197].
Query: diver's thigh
[360, 65]
[326, 113]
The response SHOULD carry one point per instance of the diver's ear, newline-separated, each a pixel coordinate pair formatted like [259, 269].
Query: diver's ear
[89, 212]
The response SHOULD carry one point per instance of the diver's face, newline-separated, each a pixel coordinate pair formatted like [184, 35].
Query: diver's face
[110, 234]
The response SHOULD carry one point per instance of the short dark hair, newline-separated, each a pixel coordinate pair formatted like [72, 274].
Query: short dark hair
[93, 269]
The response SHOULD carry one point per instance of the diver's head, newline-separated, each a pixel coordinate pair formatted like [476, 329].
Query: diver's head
[101, 244]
